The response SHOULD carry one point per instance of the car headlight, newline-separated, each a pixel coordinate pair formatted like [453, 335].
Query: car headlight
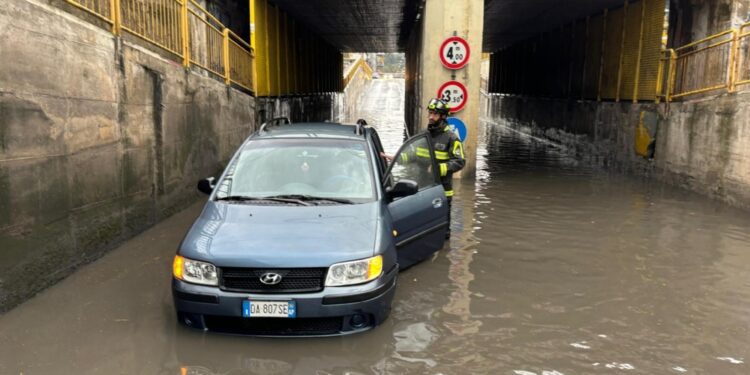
[356, 272]
[194, 271]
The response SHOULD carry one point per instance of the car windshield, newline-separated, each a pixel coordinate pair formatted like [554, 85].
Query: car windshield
[300, 168]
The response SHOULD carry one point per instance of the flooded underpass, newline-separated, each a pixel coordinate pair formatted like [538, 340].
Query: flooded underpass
[553, 268]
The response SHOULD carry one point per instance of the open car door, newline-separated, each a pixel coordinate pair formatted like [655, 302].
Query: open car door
[420, 218]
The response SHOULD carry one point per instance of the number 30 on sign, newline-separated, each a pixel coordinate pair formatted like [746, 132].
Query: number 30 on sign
[454, 53]
[455, 94]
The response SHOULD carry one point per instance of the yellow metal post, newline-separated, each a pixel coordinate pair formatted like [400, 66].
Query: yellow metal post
[267, 49]
[585, 59]
[622, 50]
[277, 48]
[660, 76]
[672, 74]
[225, 54]
[570, 59]
[732, 61]
[253, 46]
[640, 53]
[185, 32]
[116, 15]
[284, 53]
[293, 59]
[601, 63]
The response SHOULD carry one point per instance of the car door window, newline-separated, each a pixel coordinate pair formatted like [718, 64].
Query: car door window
[414, 161]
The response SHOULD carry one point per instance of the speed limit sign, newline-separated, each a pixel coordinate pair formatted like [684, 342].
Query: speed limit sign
[454, 53]
[455, 94]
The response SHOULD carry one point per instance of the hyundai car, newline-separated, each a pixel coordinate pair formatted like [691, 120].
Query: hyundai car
[305, 232]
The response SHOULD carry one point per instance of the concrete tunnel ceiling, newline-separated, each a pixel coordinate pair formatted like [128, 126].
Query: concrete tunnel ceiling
[385, 25]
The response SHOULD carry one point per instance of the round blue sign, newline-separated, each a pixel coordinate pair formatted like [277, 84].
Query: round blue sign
[458, 127]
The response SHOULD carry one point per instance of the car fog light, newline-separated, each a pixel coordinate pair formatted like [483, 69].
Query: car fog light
[358, 321]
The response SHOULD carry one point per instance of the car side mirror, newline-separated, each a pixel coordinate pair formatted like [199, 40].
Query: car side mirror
[403, 188]
[206, 185]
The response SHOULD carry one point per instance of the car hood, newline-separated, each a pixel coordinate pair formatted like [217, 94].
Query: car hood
[246, 235]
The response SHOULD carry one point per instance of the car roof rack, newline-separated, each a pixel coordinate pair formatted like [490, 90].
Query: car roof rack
[274, 121]
[359, 129]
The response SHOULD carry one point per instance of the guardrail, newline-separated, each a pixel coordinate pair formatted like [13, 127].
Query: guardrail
[743, 56]
[357, 65]
[715, 63]
[182, 28]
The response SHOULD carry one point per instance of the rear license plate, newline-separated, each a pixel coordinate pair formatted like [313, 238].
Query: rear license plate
[269, 309]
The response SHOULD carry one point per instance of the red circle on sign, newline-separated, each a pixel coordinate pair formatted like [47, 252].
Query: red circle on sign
[455, 64]
[456, 100]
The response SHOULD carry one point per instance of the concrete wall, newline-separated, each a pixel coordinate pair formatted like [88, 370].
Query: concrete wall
[699, 145]
[99, 139]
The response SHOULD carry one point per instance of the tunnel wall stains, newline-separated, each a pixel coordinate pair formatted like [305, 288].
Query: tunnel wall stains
[610, 56]
[305, 108]
[700, 145]
[99, 139]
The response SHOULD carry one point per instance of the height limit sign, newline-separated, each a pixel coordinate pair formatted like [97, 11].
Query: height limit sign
[454, 53]
[455, 94]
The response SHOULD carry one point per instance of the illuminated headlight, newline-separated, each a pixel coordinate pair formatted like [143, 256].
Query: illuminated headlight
[193, 271]
[356, 272]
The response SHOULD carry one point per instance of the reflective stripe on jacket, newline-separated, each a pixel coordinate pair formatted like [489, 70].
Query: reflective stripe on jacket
[449, 153]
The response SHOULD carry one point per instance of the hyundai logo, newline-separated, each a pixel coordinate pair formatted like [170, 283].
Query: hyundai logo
[270, 278]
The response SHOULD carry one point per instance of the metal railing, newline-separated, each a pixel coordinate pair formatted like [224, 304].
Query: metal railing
[743, 56]
[715, 63]
[156, 21]
[240, 61]
[182, 28]
[356, 66]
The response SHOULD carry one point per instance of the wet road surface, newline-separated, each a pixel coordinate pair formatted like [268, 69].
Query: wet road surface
[554, 268]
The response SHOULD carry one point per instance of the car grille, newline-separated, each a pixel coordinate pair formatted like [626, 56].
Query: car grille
[293, 280]
[274, 326]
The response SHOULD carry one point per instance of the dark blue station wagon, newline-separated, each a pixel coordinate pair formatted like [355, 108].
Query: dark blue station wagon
[306, 231]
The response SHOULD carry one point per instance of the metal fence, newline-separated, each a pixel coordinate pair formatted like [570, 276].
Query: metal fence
[182, 28]
[743, 56]
[355, 67]
[701, 66]
[720, 62]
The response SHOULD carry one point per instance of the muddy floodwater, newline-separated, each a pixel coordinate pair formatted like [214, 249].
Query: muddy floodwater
[553, 268]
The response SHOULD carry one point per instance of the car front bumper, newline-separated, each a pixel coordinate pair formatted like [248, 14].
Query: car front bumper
[333, 311]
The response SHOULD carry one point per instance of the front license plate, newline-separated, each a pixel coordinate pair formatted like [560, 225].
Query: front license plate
[269, 309]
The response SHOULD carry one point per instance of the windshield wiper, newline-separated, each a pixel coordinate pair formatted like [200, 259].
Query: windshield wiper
[244, 198]
[304, 197]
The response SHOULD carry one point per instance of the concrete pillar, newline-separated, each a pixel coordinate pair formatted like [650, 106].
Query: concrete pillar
[442, 19]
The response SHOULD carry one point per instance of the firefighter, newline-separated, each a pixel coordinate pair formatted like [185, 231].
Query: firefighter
[449, 152]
